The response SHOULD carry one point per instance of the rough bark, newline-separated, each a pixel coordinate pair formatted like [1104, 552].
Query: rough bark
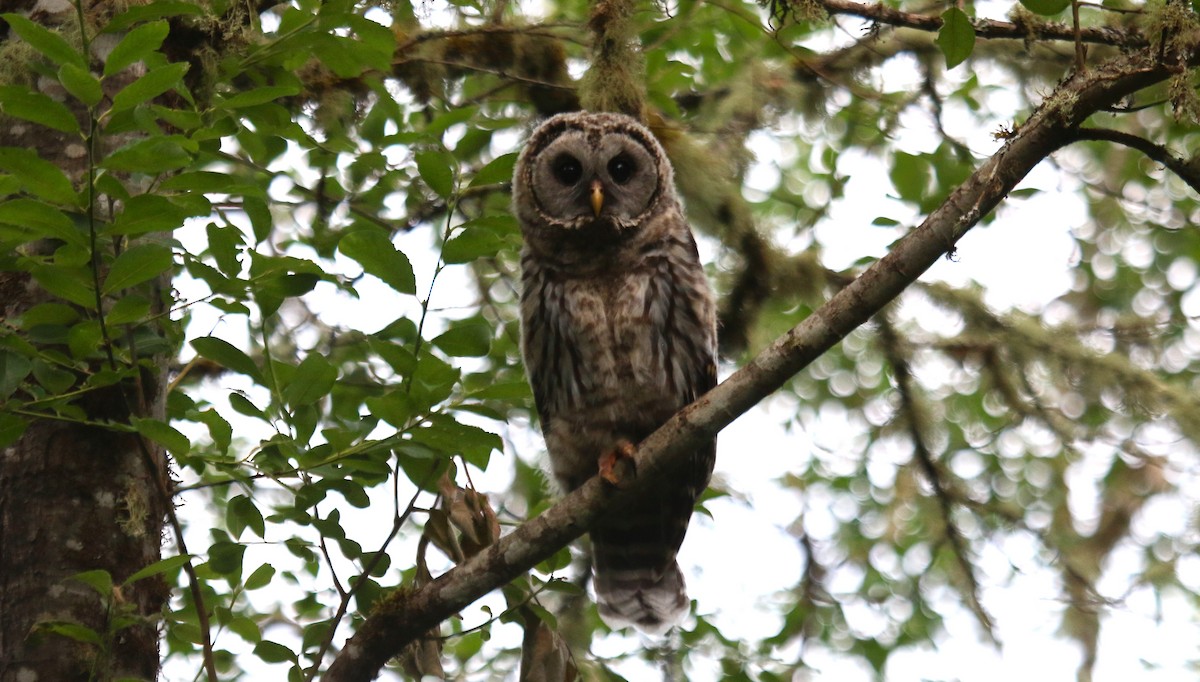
[74, 499]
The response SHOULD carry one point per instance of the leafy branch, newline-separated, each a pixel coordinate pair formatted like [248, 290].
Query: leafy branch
[389, 630]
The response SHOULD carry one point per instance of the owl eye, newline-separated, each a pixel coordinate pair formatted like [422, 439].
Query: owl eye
[621, 168]
[567, 169]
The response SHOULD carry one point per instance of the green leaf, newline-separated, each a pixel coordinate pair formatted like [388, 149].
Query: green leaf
[226, 355]
[14, 367]
[43, 40]
[212, 182]
[75, 631]
[73, 284]
[259, 95]
[137, 264]
[313, 380]
[136, 46]
[1046, 8]
[260, 217]
[270, 290]
[155, 10]
[498, 170]
[225, 558]
[443, 120]
[21, 102]
[164, 434]
[82, 85]
[956, 38]
[260, 578]
[72, 256]
[241, 514]
[471, 243]
[52, 378]
[243, 626]
[372, 250]
[437, 170]
[150, 213]
[38, 176]
[273, 652]
[242, 405]
[83, 339]
[470, 338]
[12, 427]
[225, 243]
[444, 434]
[394, 408]
[345, 56]
[98, 580]
[911, 175]
[9, 185]
[150, 156]
[46, 313]
[128, 309]
[154, 83]
[41, 221]
[158, 567]
[218, 429]
[110, 184]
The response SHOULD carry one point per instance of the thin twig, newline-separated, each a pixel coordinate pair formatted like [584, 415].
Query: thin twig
[398, 521]
[911, 414]
[1080, 48]
[1186, 172]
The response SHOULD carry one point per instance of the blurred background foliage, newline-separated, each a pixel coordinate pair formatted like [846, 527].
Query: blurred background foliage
[350, 415]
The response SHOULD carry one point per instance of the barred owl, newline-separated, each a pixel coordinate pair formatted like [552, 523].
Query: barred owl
[618, 331]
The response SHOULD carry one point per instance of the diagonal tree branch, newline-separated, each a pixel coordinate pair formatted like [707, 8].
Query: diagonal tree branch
[410, 613]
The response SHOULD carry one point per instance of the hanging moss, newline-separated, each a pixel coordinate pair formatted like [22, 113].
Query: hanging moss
[617, 79]
[15, 57]
[1172, 27]
[1184, 102]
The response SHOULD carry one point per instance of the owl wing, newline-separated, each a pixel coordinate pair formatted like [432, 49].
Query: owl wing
[546, 344]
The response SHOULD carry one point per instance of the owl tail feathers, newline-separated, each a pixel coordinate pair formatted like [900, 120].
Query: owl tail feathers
[651, 601]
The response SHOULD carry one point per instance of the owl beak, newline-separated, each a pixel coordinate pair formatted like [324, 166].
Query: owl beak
[597, 197]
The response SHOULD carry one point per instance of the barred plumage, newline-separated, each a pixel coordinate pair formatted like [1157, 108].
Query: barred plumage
[618, 333]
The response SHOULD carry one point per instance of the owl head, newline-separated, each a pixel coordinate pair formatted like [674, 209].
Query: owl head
[583, 171]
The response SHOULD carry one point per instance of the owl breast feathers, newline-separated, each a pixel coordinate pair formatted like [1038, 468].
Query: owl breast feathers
[618, 332]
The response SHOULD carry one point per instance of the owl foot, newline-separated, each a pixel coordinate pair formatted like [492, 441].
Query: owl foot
[618, 465]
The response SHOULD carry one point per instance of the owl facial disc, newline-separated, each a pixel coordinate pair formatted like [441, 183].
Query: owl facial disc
[598, 170]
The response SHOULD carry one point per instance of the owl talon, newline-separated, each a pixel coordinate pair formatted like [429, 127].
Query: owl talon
[618, 465]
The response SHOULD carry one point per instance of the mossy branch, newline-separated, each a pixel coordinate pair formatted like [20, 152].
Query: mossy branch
[616, 80]
[991, 28]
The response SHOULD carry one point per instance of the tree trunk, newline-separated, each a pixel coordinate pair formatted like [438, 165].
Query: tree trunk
[76, 496]
[74, 499]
